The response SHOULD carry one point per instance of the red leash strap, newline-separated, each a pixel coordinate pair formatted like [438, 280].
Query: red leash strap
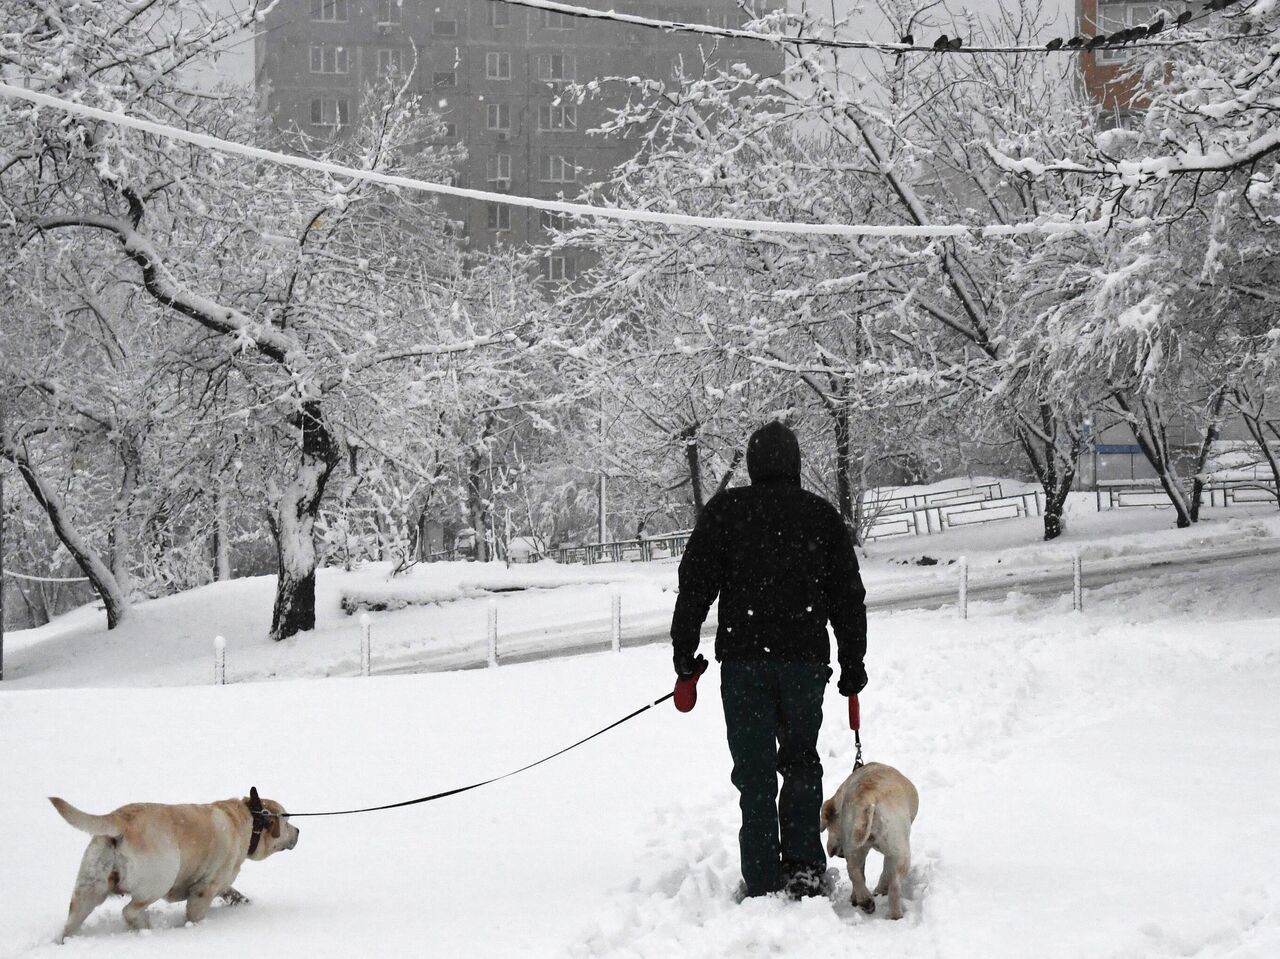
[855, 723]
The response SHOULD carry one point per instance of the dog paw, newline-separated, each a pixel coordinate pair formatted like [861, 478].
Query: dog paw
[896, 914]
[867, 905]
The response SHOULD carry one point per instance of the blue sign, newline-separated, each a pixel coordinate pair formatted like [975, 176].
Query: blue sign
[1109, 448]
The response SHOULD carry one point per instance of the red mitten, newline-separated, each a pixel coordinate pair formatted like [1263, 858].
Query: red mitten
[686, 694]
[855, 717]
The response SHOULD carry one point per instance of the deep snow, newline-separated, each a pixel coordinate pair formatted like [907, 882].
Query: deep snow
[1097, 784]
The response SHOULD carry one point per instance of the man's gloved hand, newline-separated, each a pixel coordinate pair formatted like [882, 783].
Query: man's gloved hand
[853, 680]
[688, 665]
[688, 669]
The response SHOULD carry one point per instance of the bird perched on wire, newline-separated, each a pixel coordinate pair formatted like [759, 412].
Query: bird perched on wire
[1095, 42]
[1183, 17]
[955, 44]
[942, 44]
[1075, 42]
[1155, 26]
[1054, 44]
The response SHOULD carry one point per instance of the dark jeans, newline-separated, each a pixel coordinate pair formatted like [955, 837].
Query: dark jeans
[772, 713]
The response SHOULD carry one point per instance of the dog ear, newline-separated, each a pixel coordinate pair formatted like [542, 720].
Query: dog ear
[828, 813]
[275, 826]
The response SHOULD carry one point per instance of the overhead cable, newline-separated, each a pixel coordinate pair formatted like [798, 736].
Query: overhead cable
[729, 224]
[1137, 36]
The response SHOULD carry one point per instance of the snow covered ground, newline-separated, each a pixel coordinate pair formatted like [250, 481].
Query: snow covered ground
[1102, 784]
[170, 641]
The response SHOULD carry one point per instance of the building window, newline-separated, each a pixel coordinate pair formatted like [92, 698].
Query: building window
[499, 216]
[388, 12]
[552, 118]
[497, 116]
[497, 66]
[1120, 16]
[451, 131]
[499, 170]
[329, 59]
[552, 222]
[558, 169]
[444, 78]
[390, 61]
[556, 68]
[444, 28]
[556, 21]
[330, 112]
[560, 268]
[499, 15]
[329, 11]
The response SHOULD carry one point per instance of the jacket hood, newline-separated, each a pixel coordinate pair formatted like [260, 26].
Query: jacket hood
[773, 454]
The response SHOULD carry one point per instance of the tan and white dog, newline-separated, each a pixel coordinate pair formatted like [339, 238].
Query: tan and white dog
[153, 851]
[873, 809]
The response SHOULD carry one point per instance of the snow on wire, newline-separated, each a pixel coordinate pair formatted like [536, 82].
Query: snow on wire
[928, 231]
[46, 579]
[905, 46]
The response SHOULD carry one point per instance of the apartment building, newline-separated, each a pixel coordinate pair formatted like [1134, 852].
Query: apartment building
[495, 71]
[1117, 91]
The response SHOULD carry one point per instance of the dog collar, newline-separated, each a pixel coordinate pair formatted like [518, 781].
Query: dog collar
[260, 818]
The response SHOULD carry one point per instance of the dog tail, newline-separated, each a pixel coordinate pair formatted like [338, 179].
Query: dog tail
[93, 825]
[862, 821]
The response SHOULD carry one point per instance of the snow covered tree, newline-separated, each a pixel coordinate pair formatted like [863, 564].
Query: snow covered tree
[317, 288]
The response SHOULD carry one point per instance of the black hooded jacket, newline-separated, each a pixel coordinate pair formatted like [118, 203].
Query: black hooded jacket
[782, 563]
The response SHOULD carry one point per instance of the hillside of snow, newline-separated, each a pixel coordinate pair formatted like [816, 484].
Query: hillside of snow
[444, 607]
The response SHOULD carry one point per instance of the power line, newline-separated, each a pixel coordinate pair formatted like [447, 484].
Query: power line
[1143, 37]
[204, 141]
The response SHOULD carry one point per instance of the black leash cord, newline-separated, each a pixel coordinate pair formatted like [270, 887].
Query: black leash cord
[463, 789]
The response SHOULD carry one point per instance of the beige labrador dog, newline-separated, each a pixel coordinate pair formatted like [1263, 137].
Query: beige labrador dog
[873, 809]
[152, 851]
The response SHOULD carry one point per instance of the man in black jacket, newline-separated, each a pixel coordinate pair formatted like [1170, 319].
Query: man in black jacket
[783, 565]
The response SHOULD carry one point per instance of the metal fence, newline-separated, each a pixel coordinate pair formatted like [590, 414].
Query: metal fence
[959, 511]
[1122, 494]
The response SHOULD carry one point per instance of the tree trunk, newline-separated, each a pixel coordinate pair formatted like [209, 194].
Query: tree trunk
[295, 606]
[692, 457]
[1254, 425]
[727, 478]
[1212, 430]
[477, 507]
[221, 539]
[1253, 422]
[844, 487]
[95, 568]
[1150, 432]
[1054, 469]
[118, 541]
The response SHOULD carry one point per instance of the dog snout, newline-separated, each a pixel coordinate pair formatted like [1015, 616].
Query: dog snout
[293, 837]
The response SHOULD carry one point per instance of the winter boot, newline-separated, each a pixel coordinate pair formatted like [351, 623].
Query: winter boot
[806, 879]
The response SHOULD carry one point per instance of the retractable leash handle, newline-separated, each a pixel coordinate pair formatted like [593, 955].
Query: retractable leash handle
[686, 691]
